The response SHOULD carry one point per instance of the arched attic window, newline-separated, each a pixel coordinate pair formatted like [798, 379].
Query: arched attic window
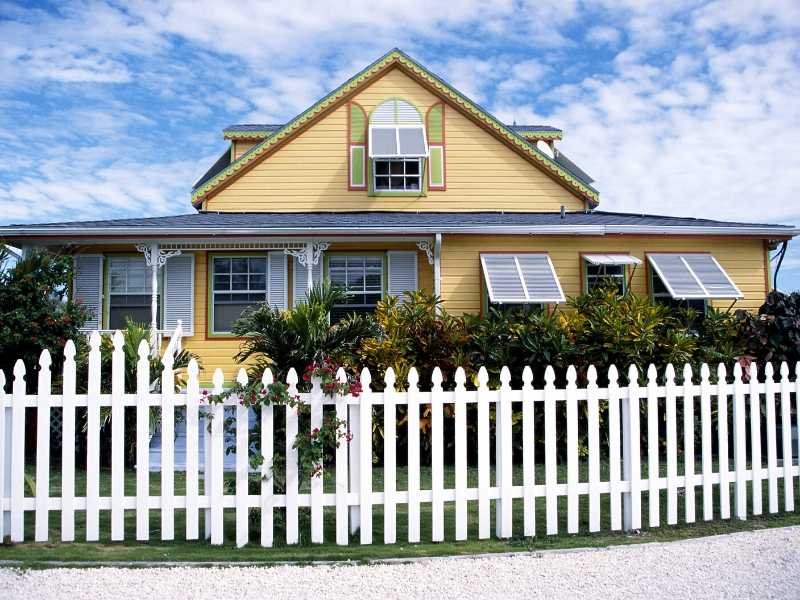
[398, 147]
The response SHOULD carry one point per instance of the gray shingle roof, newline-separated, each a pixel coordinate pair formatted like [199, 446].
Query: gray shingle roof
[397, 222]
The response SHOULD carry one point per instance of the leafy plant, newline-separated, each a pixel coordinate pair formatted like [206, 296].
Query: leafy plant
[773, 335]
[284, 339]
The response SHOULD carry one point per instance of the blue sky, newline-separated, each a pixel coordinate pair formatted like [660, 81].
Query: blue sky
[685, 107]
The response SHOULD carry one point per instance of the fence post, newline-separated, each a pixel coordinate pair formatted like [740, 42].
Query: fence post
[5, 459]
[503, 516]
[242, 464]
[167, 446]
[292, 515]
[365, 458]
[143, 442]
[192, 450]
[653, 442]
[413, 457]
[217, 461]
[632, 500]
[528, 457]
[316, 477]
[613, 449]
[461, 454]
[342, 491]
[354, 461]
[550, 467]
[672, 445]
[117, 437]
[43, 389]
[740, 443]
[437, 457]
[93, 441]
[389, 462]
[484, 474]
[688, 443]
[267, 472]
[572, 450]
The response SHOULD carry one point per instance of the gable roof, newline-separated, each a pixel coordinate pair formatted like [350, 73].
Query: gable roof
[435, 84]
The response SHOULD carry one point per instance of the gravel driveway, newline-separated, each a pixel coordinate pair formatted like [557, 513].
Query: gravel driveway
[763, 564]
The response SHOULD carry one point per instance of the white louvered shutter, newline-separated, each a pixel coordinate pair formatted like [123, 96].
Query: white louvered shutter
[300, 277]
[402, 273]
[712, 276]
[278, 292]
[87, 287]
[540, 278]
[521, 278]
[178, 294]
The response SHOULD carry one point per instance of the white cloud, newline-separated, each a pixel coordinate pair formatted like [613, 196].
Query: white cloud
[603, 35]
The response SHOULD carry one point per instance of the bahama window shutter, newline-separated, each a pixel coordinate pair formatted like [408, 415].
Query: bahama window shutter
[278, 284]
[356, 147]
[402, 273]
[179, 294]
[87, 287]
[435, 125]
[300, 277]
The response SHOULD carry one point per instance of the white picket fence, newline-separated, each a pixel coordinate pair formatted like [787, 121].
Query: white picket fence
[355, 496]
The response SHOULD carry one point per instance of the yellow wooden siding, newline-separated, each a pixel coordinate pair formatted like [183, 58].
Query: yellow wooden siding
[742, 258]
[239, 147]
[310, 172]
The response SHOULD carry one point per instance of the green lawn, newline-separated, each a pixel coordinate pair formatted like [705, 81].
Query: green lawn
[156, 550]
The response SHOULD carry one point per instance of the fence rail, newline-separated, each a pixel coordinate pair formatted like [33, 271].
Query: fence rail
[634, 455]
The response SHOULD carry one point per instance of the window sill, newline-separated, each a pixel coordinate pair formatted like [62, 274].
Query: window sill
[397, 194]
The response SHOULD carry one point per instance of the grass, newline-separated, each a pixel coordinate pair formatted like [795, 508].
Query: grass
[31, 554]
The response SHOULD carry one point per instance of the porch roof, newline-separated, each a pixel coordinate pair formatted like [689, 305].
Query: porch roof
[396, 223]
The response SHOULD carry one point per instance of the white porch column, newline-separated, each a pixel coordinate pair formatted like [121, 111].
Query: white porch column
[309, 257]
[155, 258]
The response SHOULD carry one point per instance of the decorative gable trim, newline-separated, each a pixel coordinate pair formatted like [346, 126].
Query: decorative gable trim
[395, 58]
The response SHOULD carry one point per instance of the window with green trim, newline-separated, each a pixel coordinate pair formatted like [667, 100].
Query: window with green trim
[603, 275]
[397, 175]
[661, 295]
[130, 291]
[397, 149]
[361, 278]
[238, 282]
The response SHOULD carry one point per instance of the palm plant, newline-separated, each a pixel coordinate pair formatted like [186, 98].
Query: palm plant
[297, 337]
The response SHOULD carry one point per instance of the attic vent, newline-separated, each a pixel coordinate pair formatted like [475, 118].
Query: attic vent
[395, 112]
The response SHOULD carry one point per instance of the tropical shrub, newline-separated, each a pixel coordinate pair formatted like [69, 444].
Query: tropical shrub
[773, 335]
[297, 337]
[35, 310]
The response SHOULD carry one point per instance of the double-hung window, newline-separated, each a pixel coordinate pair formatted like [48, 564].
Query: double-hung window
[689, 280]
[130, 291]
[239, 282]
[398, 147]
[361, 278]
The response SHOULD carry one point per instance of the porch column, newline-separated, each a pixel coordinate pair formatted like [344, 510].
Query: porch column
[155, 258]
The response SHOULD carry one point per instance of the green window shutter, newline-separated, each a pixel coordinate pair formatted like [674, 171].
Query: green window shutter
[356, 147]
[357, 167]
[178, 294]
[358, 124]
[436, 124]
[437, 167]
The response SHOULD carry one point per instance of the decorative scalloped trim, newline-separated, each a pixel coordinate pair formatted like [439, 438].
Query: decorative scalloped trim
[520, 143]
[246, 135]
[536, 134]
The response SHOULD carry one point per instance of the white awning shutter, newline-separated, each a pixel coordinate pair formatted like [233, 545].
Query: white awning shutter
[300, 280]
[693, 276]
[611, 259]
[278, 281]
[521, 278]
[402, 268]
[87, 287]
[178, 294]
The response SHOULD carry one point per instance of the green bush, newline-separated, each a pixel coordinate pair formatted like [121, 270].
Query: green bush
[773, 335]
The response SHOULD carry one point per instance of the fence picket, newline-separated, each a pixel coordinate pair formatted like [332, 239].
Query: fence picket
[528, 456]
[292, 515]
[342, 491]
[217, 461]
[786, 438]
[755, 440]
[722, 432]
[572, 451]
[18, 453]
[5, 460]
[437, 457]
[593, 424]
[461, 454]
[44, 390]
[117, 437]
[653, 466]
[389, 462]
[192, 450]
[739, 443]
[705, 435]
[504, 457]
[143, 443]
[354, 459]
[266, 469]
[167, 446]
[413, 457]
[688, 444]
[365, 458]
[632, 448]
[242, 464]
[315, 423]
[550, 467]
[772, 451]
[93, 441]
[672, 445]
[615, 487]
[484, 474]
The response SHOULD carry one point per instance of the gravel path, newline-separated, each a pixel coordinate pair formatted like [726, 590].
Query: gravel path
[763, 564]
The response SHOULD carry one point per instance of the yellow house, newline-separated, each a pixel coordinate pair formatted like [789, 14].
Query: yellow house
[394, 181]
